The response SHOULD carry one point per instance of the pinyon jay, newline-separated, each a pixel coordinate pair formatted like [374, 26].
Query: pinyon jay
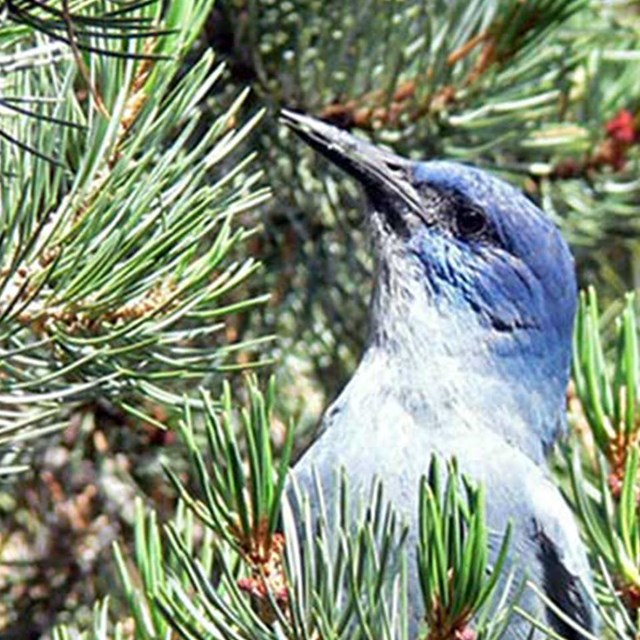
[468, 355]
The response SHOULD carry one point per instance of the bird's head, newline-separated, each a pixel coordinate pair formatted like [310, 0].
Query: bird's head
[468, 267]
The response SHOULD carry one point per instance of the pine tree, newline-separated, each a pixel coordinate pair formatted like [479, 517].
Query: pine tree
[137, 141]
[123, 219]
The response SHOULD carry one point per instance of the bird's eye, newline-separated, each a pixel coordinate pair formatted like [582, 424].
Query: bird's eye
[470, 221]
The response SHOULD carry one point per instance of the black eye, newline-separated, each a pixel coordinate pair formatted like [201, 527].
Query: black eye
[470, 221]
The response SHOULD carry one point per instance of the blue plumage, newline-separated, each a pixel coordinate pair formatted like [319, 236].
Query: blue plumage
[468, 355]
[513, 283]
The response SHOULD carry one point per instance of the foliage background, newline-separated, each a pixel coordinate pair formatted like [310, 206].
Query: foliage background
[542, 92]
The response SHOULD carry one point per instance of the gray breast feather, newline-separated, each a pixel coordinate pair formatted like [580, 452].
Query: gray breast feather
[545, 545]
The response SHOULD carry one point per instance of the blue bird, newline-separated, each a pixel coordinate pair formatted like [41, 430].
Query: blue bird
[468, 355]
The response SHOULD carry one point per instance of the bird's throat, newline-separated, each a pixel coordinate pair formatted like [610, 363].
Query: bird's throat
[448, 371]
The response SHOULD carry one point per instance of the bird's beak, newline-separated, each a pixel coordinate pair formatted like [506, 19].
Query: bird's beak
[380, 172]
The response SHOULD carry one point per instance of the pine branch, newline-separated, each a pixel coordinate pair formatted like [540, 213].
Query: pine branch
[609, 397]
[118, 270]
[455, 578]
[603, 459]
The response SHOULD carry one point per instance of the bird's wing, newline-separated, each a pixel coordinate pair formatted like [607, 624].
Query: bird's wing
[565, 573]
[565, 589]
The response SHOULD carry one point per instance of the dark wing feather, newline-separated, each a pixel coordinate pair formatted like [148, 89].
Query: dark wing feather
[564, 589]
